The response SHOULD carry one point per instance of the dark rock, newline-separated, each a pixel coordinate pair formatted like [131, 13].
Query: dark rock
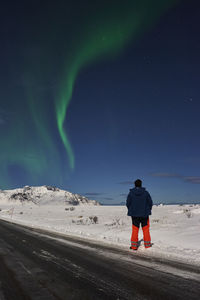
[52, 188]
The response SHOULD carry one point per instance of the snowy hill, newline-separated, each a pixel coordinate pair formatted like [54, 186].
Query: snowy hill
[43, 195]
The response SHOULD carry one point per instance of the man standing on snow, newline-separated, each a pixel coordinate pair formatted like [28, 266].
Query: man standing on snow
[139, 204]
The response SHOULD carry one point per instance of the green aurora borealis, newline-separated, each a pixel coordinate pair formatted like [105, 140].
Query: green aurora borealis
[57, 43]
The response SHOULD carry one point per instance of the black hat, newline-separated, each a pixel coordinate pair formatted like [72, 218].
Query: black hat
[138, 183]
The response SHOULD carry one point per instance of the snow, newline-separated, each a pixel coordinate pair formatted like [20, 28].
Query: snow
[175, 229]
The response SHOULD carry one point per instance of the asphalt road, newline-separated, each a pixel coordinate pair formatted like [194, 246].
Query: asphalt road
[35, 264]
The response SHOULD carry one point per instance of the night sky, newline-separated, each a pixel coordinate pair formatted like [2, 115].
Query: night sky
[95, 94]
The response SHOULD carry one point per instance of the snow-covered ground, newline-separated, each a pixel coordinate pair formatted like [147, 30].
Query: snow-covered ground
[175, 229]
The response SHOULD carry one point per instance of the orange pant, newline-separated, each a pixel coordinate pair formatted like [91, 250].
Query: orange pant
[135, 230]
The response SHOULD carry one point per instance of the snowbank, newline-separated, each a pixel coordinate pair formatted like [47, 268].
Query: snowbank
[174, 229]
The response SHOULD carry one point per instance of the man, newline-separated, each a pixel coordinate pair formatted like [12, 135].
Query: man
[139, 204]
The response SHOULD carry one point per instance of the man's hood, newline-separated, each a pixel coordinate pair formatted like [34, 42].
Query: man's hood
[138, 190]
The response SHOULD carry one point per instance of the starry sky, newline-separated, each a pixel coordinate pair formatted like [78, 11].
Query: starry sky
[95, 94]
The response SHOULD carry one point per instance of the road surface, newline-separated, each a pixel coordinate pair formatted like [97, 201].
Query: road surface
[37, 264]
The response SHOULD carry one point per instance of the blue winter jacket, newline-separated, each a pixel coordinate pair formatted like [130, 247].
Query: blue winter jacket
[139, 202]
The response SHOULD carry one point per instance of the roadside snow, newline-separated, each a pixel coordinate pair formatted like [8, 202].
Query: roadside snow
[175, 230]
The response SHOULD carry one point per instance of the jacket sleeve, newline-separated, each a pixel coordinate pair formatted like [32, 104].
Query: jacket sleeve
[149, 200]
[128, 200]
